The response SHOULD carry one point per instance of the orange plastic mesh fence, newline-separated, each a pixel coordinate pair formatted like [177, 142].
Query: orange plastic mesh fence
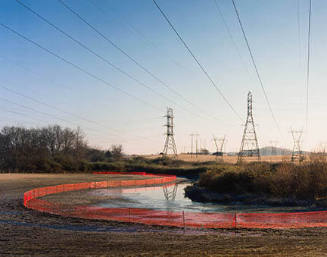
[43, 191]
[166, 218]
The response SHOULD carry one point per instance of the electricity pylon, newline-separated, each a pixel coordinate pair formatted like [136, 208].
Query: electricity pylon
[170, 141]
[297, 154]
[219, 142]
[194, 135]
[249, 145]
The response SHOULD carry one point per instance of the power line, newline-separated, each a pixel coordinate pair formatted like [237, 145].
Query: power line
[72, 64]
[298, 20]
[129, 26]
[117, 132]
[106, 38]
[63, 111]
[105, 60]
[22, 114]
[231, 36]
[56, 108]
[150, 43]
[196, 60]
[93, 52]
[37, 111]
[308, 67]
[39, 76]
[77, 66]
[255, 66]
[36, 74]
[36, 121]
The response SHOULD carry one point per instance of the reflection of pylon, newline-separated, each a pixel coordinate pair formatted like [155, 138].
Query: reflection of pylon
[170, 192]
[297, 154]
[170, 141]
[249, 145]
[219, 142]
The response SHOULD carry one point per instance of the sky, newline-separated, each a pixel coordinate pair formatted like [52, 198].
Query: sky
[76, 85]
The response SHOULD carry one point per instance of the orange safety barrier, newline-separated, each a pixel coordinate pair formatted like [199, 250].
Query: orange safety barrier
[133, 173]
[166, 218]
[43, 191]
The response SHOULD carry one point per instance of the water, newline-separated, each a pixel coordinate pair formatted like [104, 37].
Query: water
[171, 198]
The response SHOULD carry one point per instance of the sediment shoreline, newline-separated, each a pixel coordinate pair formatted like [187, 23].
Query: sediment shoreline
[201, 194]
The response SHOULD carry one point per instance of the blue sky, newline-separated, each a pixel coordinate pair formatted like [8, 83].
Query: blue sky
[278, 43]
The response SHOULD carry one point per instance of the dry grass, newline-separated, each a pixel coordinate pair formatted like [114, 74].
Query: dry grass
[227, 159]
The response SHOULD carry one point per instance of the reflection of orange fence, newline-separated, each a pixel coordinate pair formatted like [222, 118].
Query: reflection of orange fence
[167, 218]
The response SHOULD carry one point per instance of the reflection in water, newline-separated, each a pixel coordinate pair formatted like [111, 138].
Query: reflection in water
[170, 191]
[171, 198]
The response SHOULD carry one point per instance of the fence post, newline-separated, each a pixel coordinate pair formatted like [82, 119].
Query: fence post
[184, 221]
[129, 214]
[108, 183]
[235, 220]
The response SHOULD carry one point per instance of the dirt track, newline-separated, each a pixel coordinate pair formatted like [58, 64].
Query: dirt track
[25, 232]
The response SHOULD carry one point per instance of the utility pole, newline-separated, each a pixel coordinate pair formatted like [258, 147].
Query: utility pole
[196, 145]
[249, 145]
[297, 153]
[170, 141]
[219, 142]
[192, 136]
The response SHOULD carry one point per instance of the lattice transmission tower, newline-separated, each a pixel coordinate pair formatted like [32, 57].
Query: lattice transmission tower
[194, 135]
[219, 143]
[249, 145]
[297, 154]
[170, 141]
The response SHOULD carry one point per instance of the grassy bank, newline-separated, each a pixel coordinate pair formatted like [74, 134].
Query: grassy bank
[158, 166]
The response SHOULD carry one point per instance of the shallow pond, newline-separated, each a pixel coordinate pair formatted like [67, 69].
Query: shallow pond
[172, 198]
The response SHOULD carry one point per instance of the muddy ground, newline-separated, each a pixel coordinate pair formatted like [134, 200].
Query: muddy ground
[28, 233]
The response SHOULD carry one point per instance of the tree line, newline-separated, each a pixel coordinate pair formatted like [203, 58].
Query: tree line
[50, 149]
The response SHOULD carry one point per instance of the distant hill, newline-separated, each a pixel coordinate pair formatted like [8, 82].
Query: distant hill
[269, 150]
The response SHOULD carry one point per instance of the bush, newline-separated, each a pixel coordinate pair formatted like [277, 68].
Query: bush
[48, 165]
[107, 166]
[303, 182]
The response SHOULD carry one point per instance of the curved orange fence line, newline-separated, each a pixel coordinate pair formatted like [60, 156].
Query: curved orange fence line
[43, 191]
[166, 218]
